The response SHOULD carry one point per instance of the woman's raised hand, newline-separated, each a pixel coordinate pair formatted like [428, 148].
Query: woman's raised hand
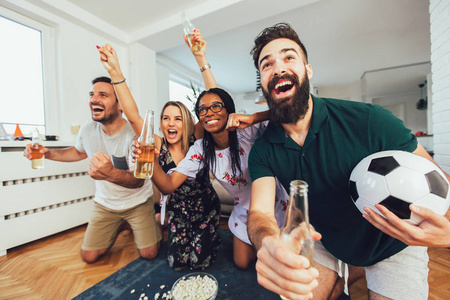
[198, 37]
[108, 57]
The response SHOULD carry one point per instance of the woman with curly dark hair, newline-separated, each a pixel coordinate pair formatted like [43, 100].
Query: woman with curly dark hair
[224, 151]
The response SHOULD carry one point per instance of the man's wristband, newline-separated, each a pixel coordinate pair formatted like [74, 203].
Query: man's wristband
[114, 83]
[205, 67]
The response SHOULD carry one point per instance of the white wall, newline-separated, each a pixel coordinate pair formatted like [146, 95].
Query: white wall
[143, 77]
[78, 63]
[245, 103]
[350, 91]
[402, 105]
[163, 93]
[440, 67]
[414, 119]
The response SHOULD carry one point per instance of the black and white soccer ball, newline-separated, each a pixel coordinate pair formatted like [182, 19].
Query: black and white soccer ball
[395, 179]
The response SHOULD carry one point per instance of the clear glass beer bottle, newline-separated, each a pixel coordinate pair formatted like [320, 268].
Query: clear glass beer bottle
[189, 28]
[296, 231]
[144, 164]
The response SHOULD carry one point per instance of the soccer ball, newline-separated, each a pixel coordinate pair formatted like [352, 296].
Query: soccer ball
[396, 179]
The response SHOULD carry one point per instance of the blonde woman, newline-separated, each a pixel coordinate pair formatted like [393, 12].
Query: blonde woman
[193, 208]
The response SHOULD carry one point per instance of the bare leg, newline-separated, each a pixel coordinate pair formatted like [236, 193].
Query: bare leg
[243, 253]
[327, 280]
[338, 289]
[158, 221]
[150, 252]
[160, 228]
[91, 257]
[355, 273]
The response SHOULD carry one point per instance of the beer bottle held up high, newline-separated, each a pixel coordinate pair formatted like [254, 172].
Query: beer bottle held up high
[144, 164]
[189, 32]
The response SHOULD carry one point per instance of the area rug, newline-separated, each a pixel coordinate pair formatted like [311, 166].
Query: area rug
[151, 277]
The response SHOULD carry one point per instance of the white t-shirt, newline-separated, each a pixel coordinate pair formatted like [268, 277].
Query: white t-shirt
[239, 186]
[92, 139]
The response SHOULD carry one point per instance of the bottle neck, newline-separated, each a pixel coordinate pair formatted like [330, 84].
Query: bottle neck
[298, 187]
[147, 132]
[187, 25]
[36, 137]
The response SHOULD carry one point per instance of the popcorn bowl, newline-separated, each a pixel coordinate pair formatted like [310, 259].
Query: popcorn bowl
[198, 285]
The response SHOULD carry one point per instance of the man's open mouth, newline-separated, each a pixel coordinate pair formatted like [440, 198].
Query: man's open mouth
[283, 86]
[97, 108]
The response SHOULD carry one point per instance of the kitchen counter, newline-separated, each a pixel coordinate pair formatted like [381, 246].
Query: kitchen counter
[13, 146]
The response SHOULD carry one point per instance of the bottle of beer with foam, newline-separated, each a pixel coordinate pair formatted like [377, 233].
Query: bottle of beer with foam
[189, 32]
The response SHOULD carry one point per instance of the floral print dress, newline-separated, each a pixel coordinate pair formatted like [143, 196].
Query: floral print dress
[238, 186]
[193, 211]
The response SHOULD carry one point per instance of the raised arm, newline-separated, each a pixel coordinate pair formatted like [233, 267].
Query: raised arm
[205, 69]
[108, 57]
[204, 66]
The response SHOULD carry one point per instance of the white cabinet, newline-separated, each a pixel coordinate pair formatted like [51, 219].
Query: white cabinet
[38, 203]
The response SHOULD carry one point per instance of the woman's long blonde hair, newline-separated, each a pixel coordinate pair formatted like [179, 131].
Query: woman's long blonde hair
[188, 124]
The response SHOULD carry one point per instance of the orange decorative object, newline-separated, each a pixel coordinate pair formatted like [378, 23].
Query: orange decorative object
[18, 132]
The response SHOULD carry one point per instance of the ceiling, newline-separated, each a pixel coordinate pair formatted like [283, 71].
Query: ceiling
[347, 40]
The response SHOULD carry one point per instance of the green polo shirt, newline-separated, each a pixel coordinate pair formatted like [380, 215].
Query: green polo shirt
[341, 134]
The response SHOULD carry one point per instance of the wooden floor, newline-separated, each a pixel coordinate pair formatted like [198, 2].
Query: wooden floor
[51, 268]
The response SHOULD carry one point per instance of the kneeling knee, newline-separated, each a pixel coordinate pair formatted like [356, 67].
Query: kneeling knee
[242, 264]
[89, 257]
[149, 253]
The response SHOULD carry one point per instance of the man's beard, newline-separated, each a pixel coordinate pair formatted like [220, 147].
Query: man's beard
[280, 110]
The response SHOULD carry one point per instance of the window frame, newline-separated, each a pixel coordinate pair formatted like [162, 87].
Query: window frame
[186, 82]
[49, 78]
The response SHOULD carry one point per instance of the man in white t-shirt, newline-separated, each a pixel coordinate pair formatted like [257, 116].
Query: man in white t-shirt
[119, 196]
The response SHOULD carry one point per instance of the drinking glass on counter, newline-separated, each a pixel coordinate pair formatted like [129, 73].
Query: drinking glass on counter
[74, 128]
